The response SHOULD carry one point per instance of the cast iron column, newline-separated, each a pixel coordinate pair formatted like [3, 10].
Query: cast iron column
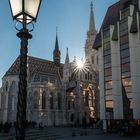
[24, 35]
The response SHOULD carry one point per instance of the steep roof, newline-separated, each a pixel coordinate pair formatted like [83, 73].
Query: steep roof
[36, 65]
[113, 15]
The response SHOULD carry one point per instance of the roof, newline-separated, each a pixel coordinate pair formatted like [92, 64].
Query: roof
[113, 15]
[36, 65]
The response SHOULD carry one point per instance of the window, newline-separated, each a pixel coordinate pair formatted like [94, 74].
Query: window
[36, 100]
[108, 92]
[107, 65]
[126, 74]
[43, 100]
[109, 104]
[123, 27]
[124, 40]
[125, 12]
[59, 101]
[124, 46]
[125, 53]
[6, 86]
[108, 84]
[107, 52]
[107, 72]
[13, 87]
[106, 46]
[92, 59]
[109, 97]
[108, 78]
[69, 105]
[86, 76]
[73, 104]
[13, 102]
[107, 59]
[87, 99]
[90, 77]
[125, 67]
[106, 35]
[51, 101]
[125, 60]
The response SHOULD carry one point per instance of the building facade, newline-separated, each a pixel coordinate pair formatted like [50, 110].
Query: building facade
[81, 84]
[118, 45]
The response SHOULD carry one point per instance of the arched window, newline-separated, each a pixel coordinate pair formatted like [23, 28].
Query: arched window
[69, 105]
[59, 101]
[51, 101]
[90, 77]
[87, 99]
[43, 100]
[92, 59]
[13, 102]
[36, 100]
[6, 86]
[13, 87]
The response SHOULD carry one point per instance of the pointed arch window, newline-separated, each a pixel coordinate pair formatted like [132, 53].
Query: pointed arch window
[87, 99]
[51, 101]
[13, 87]
[59, 101]
[43, 100]
[13, 102]
[90, 77]
[36, 100]
[69, 105]
[92, 59]
[6, 86]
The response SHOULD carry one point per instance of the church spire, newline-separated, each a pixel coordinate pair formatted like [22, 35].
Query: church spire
[91, 23]
[67, 58]
[56, 52]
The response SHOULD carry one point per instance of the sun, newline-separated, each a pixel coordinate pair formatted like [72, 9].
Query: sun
[80, 66]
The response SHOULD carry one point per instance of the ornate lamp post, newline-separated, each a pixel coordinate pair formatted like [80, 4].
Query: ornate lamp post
[23, 12]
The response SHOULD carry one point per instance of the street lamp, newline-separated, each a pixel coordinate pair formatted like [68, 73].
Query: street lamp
[23, 12]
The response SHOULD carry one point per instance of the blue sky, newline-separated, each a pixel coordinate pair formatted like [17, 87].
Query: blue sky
[70, 16]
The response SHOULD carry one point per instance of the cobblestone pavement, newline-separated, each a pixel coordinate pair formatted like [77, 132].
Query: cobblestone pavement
[66, 133]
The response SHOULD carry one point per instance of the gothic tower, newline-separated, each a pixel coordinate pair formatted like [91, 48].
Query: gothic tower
[56, 52]
[67, 68]
[90, 53]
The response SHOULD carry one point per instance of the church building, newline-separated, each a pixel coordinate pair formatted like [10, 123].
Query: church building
[45, 93]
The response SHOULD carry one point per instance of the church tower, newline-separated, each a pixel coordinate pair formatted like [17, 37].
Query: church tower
[67, 68]
[67, 58]
[90, 53]
[56, 52]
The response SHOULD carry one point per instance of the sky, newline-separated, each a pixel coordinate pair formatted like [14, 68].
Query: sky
[71, 17]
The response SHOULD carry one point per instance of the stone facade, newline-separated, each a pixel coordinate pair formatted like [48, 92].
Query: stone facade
[82, 98]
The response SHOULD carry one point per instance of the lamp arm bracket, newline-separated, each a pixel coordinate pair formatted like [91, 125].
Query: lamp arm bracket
[18, 28]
